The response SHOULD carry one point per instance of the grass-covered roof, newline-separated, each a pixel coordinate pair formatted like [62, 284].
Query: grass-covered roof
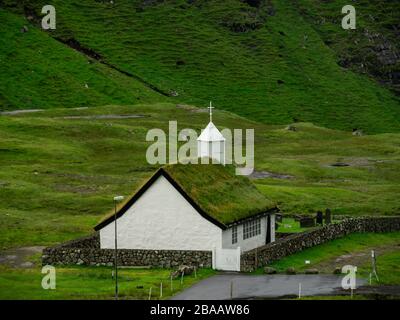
[219, 192]
[213, 189]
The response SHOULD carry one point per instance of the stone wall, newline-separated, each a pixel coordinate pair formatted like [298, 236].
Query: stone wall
[86, 251]
[92, 241]
[300, 241]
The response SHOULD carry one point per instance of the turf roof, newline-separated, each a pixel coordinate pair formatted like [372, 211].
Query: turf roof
[213, 189]
[219, 192]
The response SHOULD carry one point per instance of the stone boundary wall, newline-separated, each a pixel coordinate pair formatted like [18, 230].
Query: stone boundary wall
[281, 248]
[86, 251]
[89, 242]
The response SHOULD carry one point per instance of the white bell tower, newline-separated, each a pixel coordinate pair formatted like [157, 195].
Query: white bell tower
[211, 143]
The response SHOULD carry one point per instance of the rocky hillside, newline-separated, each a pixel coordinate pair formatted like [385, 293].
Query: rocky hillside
[373, 48]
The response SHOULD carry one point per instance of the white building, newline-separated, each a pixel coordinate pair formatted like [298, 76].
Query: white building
[193, 207]
[211, 143]
[163, 215]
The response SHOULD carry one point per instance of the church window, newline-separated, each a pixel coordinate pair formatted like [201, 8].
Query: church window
[234, 234]
[251, 228]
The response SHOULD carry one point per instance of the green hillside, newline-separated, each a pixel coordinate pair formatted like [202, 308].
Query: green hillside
[36, 71]
[60, 168]
[265, 60]
[373, 48]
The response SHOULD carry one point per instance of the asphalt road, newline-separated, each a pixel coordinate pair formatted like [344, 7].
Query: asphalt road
[218, 287]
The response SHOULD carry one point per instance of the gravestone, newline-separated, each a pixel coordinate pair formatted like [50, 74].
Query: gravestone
[319, 217]
[328, 216]
[307, 222]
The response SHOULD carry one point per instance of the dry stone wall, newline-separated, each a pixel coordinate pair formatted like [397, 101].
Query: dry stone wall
[86, 251]
[264, 255]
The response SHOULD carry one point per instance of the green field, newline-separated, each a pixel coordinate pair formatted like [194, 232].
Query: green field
[289, 225]
[58, 175]
[323, 257]
[267, 62]
[94, 283]
[387, 269]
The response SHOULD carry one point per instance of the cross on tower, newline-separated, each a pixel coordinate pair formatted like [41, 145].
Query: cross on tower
[210, 107]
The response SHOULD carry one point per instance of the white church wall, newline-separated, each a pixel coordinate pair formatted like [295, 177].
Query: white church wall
[162, 219]
[249, 243]
[245, 244]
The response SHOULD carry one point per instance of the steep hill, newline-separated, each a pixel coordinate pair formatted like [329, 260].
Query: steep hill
[373, 48]
[265, 60]
[37, 71]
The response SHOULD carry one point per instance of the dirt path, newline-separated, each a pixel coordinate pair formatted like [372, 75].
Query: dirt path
[107, 116]
[16, 112]
[19, 257]
[356, 259]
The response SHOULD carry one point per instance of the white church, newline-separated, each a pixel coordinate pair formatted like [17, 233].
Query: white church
[193, 207]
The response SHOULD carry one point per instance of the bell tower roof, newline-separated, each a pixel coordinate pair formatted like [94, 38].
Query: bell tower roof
[211, 133]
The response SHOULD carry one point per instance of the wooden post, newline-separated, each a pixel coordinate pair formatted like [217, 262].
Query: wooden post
[172, 289]
[300, 290]
[231, 289]
[256, 259]
[374, 271]
[182, 277]
[150, 293]
[195, 272]
[161, 289]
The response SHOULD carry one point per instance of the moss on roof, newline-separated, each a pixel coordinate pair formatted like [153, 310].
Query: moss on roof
[221, 193]
[214, 188]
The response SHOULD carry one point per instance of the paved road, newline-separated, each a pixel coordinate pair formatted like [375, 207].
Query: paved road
[218, 287]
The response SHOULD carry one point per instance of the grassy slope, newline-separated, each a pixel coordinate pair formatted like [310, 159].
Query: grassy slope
[92, 283]
[346, 245]
[58, 176]
[38, 72]
[232, 69]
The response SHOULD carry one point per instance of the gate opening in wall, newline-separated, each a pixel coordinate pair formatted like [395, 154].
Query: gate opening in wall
[226, 259]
